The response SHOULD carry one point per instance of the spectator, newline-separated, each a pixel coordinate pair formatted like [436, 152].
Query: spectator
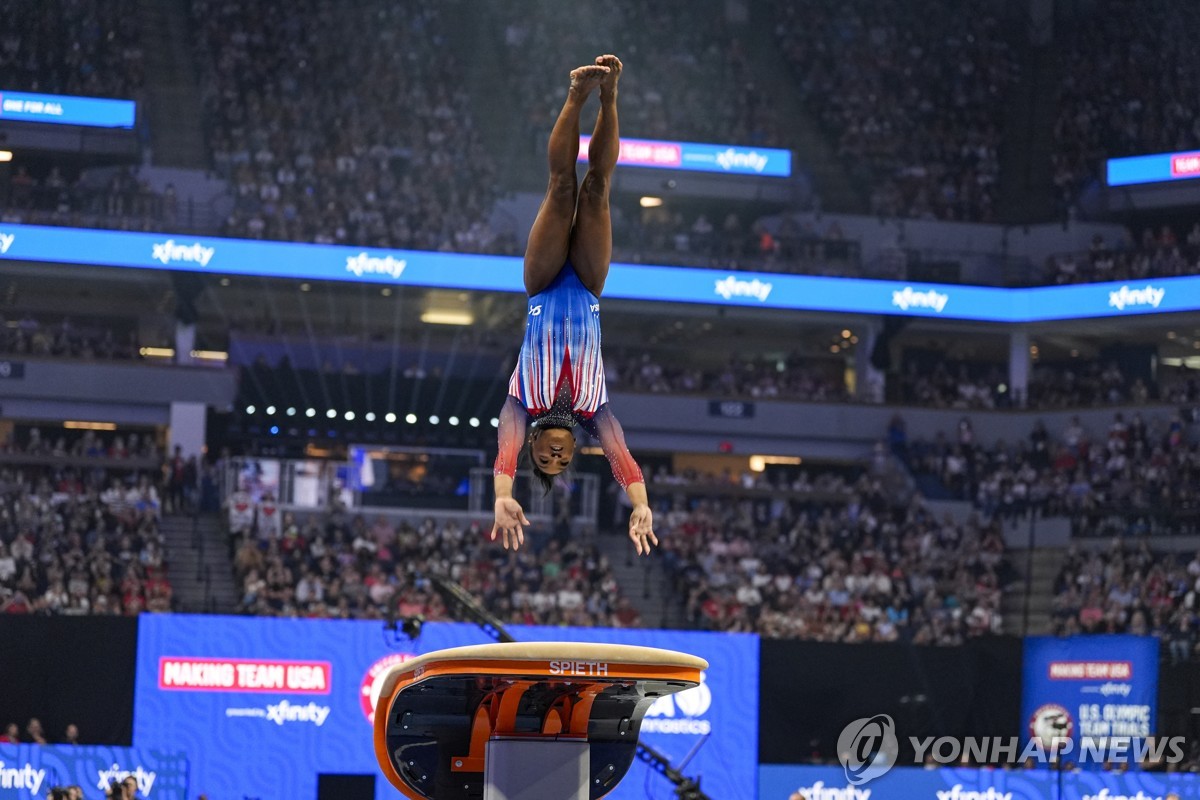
[914, 98]
[33, 731]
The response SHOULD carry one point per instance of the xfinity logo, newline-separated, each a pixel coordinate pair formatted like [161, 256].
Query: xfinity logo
[145, 779]
[286, 712]
[363, 264]
[6, 240]
[907, 298]
[819, 791]
[1109, 689]
[23, 777]
[958, 793]
[1104, 795]
[733, 159]
[169, 252]
[1149, 296]
[732, 287]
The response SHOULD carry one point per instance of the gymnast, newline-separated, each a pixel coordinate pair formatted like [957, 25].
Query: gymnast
[558, 382]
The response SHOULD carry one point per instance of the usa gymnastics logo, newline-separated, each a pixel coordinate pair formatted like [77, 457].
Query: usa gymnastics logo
[372, 682]
[681, 713]
[867, 748]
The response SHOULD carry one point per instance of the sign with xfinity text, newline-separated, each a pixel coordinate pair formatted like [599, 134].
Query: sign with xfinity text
[694, 157]
[646, 282]
[29, 771]
[1088, 690]
[288, 699]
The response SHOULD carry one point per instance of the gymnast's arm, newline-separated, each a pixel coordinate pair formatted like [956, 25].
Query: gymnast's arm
[604, 426]
[510, 435]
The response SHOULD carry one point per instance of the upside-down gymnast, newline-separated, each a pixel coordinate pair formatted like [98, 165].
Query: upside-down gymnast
[558, 382]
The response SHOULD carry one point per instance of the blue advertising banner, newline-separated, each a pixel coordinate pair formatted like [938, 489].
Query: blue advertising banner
[262, 706]
[786, 781]
[63, 109]
[625, 281]
[1089, 687]
[1153, 168]
[694, 157]
[29, 771]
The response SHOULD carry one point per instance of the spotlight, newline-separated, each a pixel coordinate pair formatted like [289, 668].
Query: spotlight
[370, 416]
[331, 413]
[312, 412]
[291, 412]
[270, 410]
[434, 419]
[349, 416]
[495, 422]
[411, 419]
[274, 430]
[390, 417]
[250, 409]
[453, 420]
[473, 422]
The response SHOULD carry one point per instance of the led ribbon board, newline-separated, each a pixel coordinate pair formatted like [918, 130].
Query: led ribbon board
[626, 281]
[1154, 168]
[28, 771]
[695, 157]
[783, 781]
[63, 109]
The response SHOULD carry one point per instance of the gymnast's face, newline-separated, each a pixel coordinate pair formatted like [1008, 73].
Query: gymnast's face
[552, 449]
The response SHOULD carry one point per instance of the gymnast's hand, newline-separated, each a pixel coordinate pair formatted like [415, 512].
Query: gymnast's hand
[509, 519]
[641, 529]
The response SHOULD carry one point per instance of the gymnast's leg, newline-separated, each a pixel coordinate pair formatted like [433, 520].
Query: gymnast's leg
[550, 237]
[591, 239]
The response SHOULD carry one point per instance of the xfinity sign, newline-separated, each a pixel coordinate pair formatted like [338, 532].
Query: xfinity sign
[732, 286]
[730, 159]
[907, 298]
[1125, 297]
[169, 252]
[145, 778]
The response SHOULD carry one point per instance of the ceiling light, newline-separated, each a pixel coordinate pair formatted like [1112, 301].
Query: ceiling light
[648, 201]
[447, 316]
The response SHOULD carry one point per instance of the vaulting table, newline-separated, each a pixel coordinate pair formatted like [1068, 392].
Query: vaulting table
[521, 721]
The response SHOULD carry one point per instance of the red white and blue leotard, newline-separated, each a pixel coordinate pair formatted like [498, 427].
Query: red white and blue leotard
[560, 358]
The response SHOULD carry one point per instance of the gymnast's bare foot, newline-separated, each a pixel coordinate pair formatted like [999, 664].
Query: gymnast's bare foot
[608, 84]
[585, 79]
